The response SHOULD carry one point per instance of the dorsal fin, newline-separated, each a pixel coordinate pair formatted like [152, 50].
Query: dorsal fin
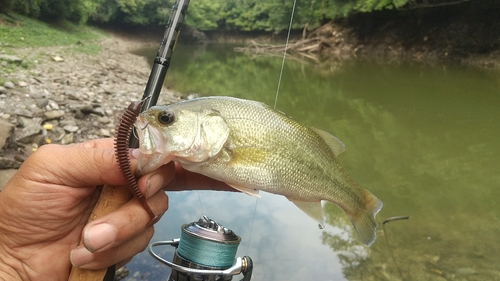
[332, 141]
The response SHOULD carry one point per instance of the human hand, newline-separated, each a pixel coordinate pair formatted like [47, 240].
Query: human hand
[44, 209]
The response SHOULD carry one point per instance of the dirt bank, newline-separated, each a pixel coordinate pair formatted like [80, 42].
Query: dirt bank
[67, 96]
[465, 34]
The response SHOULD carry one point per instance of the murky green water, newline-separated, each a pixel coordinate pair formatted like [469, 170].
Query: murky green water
[423, 139]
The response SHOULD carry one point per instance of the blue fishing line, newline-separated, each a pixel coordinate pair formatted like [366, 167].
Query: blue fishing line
[207, 252]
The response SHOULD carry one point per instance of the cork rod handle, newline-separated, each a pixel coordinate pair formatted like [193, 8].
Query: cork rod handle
[111, 199]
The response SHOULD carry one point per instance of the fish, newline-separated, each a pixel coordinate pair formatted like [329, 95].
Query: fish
[253, 147]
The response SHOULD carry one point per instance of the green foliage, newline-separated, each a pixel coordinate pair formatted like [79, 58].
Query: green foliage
[237, 15]
[373, 5]
[204, 14]
[250, 15]
[29, 32]
[78, 11]
[130, 6]
[244, 15]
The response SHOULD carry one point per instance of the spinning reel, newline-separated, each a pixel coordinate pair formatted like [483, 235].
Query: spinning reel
[206, 251]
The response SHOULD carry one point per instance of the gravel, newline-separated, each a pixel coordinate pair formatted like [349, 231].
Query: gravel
[66, 96]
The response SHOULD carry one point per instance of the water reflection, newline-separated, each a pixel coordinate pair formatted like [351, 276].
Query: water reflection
[424, 139]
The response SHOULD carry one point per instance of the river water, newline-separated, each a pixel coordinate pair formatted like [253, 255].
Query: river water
[423, 138]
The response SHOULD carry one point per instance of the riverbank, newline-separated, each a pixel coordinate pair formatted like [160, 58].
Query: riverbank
[466, 34]
[64, 94]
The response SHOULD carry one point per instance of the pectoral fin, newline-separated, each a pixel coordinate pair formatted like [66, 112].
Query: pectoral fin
[335, 144]
[249, 191]
[312, 209]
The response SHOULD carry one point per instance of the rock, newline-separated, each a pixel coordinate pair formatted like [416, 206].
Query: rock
[39, 140]
[53, 114]
[28, 133]
[25, 121]
[23, 112]
[71, 128]
[73, 95]
[84, 108]
[79, 115]
[5, 176]
[98, 111]
[53, 105]
[3, 90]
[58, 133]
[104, 133]
[109, 112]
[104, 120]
[57, 59]
[9, 163]
[9, 85]
[46, 93]
[42, 103]
[68, 122]
[5, 116]
[121, 273]
[11, 58]
[68, 138]
[5, 132]
[22, 84]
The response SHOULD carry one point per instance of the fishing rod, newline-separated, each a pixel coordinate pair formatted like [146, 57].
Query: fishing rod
[112, 197]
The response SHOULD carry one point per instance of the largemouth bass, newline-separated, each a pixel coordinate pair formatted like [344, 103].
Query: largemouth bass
[252, 147]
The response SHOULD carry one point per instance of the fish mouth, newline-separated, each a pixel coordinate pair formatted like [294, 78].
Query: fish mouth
[150, 154]
[147, 138]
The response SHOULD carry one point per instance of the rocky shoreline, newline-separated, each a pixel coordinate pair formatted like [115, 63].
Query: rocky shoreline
[67, 96]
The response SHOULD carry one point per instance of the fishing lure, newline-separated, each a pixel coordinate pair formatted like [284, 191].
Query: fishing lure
[122, 140]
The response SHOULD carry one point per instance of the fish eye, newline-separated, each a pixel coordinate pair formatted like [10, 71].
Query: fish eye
[166, 117]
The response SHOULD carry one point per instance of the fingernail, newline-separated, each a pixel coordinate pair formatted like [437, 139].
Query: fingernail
[99, 236]
[154, 182]
[135, 153]
[80, 256]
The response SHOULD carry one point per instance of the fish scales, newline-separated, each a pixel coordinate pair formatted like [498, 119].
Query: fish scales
[252, 147]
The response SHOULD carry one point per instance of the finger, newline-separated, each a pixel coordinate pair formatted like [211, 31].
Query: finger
[151, 183]
[97, 143]
[121, 225]
[123, 263]
[83, 258]
[87, 164]
[186, 180]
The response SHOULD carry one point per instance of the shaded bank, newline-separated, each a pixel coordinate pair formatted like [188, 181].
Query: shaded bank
[467, 34]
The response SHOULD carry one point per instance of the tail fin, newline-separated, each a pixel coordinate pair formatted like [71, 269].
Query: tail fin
[364, 220]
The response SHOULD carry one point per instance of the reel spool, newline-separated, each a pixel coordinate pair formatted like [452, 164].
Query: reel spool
[206, 251]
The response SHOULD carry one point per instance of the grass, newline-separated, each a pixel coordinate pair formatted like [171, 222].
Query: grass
[18, 31]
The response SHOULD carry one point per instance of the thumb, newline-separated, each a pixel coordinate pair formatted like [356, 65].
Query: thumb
[87, 164]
